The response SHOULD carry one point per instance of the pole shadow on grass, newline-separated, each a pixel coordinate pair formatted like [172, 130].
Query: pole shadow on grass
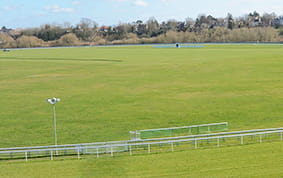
[62, 59]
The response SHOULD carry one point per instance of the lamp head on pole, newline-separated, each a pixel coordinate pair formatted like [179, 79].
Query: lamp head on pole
[53, 100]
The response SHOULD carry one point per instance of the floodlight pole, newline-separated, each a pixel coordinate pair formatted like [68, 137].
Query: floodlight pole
[53, 101]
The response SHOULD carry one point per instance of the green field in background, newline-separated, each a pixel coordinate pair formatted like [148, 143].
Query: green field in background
[107, 91]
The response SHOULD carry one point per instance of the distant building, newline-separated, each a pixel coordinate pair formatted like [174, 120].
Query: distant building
[255, 21]
[5, 30]
[140, 28]
[105, 29]
[277, 21]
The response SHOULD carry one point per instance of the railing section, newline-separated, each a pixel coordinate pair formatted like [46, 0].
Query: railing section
[119, 148]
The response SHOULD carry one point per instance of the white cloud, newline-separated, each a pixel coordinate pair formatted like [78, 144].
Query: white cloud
[166, 2]
[76, 2]
[140, 3]
[56, 8]
[255, 1]
[8, 8]
[120, 0]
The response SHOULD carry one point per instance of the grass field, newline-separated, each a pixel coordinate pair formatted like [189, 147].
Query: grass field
[109, 91]
[258, 160]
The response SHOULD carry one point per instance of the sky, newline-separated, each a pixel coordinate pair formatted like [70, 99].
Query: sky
[34, 13]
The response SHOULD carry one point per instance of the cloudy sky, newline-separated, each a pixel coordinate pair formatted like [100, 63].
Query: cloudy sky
[33, 13]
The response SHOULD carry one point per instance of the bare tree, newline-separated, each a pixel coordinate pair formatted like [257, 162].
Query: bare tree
[268, 18]
[86, 29]
[152, 27]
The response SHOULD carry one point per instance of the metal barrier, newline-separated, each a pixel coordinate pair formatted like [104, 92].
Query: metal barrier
[124, 147]
[209, 135]
[137, 141]
[178, 131]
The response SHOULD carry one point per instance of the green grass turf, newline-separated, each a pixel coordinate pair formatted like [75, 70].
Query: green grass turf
[107, 92]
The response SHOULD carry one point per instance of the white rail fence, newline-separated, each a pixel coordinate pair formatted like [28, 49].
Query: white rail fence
[141, 147]
[208, 135]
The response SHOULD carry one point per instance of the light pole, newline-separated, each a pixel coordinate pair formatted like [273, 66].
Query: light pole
[53, 101]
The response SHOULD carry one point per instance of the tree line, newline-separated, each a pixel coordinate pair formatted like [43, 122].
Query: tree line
[252, 27]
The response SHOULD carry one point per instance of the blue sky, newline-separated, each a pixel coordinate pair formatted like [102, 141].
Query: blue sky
[33, 13]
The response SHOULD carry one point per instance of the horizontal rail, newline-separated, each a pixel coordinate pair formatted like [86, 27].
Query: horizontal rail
[65, 146]
[79, 148]
[185, 140]
[184, 127]
[208, 135]
[135, 141]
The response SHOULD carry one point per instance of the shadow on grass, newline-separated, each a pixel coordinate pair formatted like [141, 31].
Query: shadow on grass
[62, 59]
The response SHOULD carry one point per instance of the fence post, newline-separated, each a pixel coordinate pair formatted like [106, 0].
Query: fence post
[97, 153]
[130, 150]
[79, 154]
[111, 151]
[196, 144]
[218, 142]
[281, 136]
[242, 140]
[172, 146]
[26, 154]
[51, 155]
[148, 148]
